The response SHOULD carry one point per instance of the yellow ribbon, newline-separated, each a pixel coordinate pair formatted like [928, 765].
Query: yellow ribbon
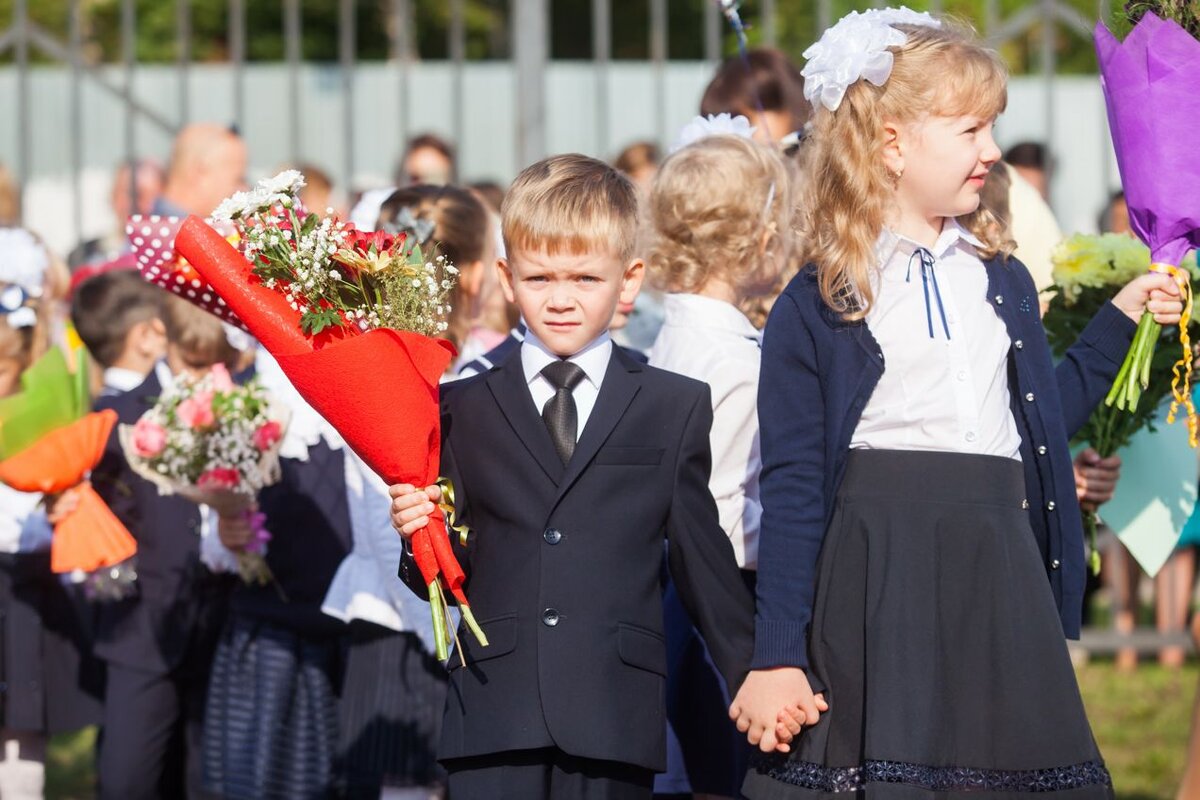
[1182, 370]
[447, 505]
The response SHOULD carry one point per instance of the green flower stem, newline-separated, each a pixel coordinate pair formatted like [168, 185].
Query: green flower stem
[437, 606]
[1134, 375]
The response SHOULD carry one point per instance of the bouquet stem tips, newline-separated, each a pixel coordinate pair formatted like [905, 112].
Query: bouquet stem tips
[469, 618]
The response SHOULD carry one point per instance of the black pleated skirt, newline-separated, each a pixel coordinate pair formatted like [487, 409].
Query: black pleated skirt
[270, 727]
[391, 711]
[936, 636]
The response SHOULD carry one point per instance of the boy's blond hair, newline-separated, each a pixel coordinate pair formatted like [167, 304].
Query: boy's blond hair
[570, 204]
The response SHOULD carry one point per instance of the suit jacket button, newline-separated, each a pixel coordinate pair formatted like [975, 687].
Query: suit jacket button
[550, 617]
[552, 535]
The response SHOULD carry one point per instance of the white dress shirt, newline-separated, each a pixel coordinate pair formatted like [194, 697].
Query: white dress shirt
[938, 393]
[593, 360]
[118, 380]
[711, 341]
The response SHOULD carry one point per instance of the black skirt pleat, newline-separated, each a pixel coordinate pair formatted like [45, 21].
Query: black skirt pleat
[271, 719]
[936, 636]
[391, 712]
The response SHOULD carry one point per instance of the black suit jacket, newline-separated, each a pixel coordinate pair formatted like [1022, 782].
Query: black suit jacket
[564, 564]
[179, 605]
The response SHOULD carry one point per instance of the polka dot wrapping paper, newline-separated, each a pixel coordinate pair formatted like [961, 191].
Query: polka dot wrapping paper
[153, 241]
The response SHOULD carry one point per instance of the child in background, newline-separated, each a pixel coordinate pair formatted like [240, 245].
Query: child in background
[48, 689]
[159, 643]
[921, 550]
[271, 725]
[394, 689]
[721, 225]
[457, 222]
[118, 317]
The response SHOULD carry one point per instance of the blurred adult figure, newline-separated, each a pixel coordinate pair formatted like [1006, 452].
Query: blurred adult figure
[208, 164]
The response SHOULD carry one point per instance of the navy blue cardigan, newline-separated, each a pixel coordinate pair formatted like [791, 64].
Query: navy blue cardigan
[818, 372]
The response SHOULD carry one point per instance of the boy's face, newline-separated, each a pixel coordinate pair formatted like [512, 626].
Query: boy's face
[568, 299]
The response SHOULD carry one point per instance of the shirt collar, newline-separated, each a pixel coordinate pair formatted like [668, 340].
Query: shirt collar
[890, 243]
[593, 359]
[698, 311]
[122, 380]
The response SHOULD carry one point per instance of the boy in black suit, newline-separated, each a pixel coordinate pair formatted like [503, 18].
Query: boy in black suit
[159, 643]
[573, 463]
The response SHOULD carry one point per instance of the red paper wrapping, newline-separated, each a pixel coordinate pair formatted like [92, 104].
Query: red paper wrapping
[378, 389]
[91, 536]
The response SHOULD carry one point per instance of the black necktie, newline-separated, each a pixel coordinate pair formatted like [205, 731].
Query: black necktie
[559, 414]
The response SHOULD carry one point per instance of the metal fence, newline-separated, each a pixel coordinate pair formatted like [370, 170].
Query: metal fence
[528, 35]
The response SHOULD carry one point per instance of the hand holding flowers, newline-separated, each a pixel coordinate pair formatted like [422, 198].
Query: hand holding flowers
[216, 444]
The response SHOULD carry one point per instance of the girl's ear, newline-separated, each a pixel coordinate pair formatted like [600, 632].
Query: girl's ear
[893, 150]
[471, 278]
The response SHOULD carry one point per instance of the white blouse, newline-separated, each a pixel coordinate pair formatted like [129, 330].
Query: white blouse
[23, 525]
[710, 340]
[366, 585]
[947, 391]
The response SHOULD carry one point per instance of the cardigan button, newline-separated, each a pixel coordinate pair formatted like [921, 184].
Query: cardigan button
[1029, 397]
[999, 299]
[1018, 344]
[1050, 506]
[1055, 564]
[1041, 450]
[1025, 503]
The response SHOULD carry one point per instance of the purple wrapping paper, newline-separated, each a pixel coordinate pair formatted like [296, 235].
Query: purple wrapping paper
[1151, 84]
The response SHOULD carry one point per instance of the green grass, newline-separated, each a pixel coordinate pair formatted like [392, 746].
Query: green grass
[69, 766]
[1140, 721]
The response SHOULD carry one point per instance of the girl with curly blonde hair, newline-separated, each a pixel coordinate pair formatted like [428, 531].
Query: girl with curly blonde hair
[720, 219]
[921, 553]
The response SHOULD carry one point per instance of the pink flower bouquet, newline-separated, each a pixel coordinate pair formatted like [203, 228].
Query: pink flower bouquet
[217, 444]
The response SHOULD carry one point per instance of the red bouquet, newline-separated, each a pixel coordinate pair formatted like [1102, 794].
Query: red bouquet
[350, 317]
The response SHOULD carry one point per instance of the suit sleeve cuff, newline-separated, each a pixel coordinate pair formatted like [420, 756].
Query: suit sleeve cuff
[780, 644]
[1109, 333]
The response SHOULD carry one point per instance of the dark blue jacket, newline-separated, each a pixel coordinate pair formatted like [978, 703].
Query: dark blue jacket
[818, 372]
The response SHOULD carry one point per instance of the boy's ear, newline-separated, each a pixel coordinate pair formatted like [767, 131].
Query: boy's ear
[506, 279]
[631, 281]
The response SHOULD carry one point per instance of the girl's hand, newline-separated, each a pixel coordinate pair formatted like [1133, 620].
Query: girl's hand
[235, 531]
[61, 506]
[1154, 292]
[772, 703]
[411, 507]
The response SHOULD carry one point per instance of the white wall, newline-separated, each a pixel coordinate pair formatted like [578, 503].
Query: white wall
[637, 109]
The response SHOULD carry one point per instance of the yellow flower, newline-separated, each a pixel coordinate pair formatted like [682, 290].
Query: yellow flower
[1130, 258]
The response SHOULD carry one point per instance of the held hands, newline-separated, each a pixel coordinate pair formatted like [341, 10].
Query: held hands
[411, 507]
[773, 705]
[1156, 293]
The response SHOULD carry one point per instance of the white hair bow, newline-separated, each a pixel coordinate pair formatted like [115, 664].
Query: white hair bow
[723, 124]
[854, 49]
